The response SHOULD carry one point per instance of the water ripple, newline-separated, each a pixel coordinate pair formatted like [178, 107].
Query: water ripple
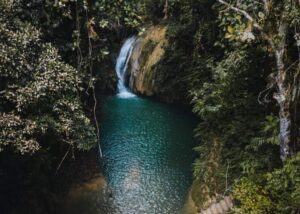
[147, 149]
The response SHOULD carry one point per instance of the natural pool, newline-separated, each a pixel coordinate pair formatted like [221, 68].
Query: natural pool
[147, 154]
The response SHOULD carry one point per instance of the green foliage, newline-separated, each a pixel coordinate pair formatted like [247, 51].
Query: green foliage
[227, 106]
[272, 192]
[237, 26]
[119, 13]
[253, 197]
[86, 33]
[39, 93]
[154, 9]
[269, 132]
[15, 133]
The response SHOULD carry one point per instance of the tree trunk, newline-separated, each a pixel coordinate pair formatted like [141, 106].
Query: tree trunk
[166, 9]
[287, 130]
[287, 117]
[285, 98]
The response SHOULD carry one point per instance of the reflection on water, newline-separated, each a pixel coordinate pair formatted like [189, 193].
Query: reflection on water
[147, 149]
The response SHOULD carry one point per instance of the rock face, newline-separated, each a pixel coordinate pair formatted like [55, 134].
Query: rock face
[215, 205]
[147, 52]
[220, 207]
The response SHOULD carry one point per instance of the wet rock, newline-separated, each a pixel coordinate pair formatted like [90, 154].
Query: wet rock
[147, 52]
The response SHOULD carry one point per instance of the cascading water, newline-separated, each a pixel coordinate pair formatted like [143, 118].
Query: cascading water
[122, 65]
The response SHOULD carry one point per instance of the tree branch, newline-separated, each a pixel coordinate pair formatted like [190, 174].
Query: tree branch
[90, 62]
[166, 9]
[243, 12]
[271, 85]
[62, 160]
[266, 6]
[226, 181]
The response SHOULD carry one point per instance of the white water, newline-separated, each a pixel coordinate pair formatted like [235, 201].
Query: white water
[122, 65]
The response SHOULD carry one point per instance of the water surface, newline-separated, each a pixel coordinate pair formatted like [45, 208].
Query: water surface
[147, 154]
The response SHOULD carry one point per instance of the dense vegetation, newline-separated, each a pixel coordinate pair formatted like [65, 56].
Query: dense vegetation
[236, 61]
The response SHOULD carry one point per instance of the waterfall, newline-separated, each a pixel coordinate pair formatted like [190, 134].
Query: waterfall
[121, 67]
